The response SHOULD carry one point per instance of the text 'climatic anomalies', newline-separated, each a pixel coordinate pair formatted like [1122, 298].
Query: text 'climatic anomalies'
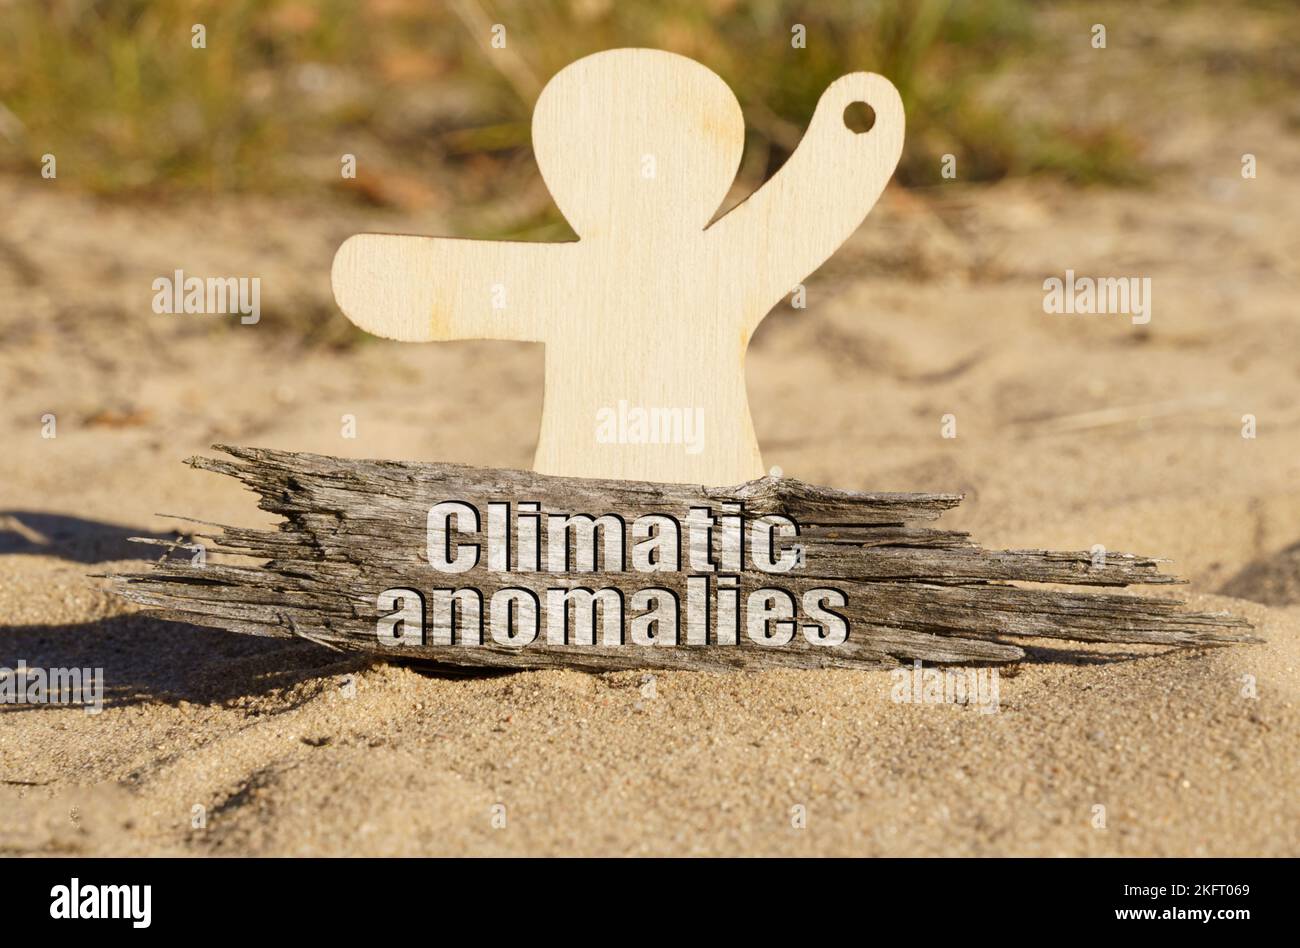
[524, 574]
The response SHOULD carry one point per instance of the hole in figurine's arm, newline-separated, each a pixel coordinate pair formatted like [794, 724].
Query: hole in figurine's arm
[859, 117]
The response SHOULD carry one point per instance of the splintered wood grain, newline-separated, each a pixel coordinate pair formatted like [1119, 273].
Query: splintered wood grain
[354, 528]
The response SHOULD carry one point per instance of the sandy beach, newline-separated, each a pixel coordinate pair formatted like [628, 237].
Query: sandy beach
[1071, 431]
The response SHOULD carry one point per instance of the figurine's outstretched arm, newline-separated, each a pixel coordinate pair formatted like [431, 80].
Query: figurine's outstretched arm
[787, 228]
[422, 289]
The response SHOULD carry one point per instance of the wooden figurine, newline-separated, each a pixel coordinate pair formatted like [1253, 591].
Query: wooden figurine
[647, 316]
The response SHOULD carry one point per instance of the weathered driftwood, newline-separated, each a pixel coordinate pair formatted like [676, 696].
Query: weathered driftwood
[354, 528]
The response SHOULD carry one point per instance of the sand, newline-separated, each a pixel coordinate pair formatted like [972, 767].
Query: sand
[1072, 431]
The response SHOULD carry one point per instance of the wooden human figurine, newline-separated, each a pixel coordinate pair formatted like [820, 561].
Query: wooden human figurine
[646, 317]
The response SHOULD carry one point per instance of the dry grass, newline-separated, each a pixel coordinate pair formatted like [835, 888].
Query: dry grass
[117, 92]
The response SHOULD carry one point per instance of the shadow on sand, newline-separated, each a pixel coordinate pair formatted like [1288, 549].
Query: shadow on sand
[75, 539]
[149, 660]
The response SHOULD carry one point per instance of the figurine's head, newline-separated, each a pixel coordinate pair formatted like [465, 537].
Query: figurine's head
[637, 138]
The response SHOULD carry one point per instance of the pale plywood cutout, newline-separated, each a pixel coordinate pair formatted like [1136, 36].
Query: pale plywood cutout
[647, 316]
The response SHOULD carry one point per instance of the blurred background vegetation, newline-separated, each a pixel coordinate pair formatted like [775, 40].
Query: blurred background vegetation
[440, 119]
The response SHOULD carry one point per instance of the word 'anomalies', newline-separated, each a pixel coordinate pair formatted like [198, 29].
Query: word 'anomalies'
[700, 562]
[103, 901]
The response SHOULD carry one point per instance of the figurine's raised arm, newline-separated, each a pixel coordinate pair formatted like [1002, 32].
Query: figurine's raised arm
[793, 223]
[423, 289]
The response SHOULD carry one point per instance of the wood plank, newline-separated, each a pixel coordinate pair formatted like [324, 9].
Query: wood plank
[352, 529]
